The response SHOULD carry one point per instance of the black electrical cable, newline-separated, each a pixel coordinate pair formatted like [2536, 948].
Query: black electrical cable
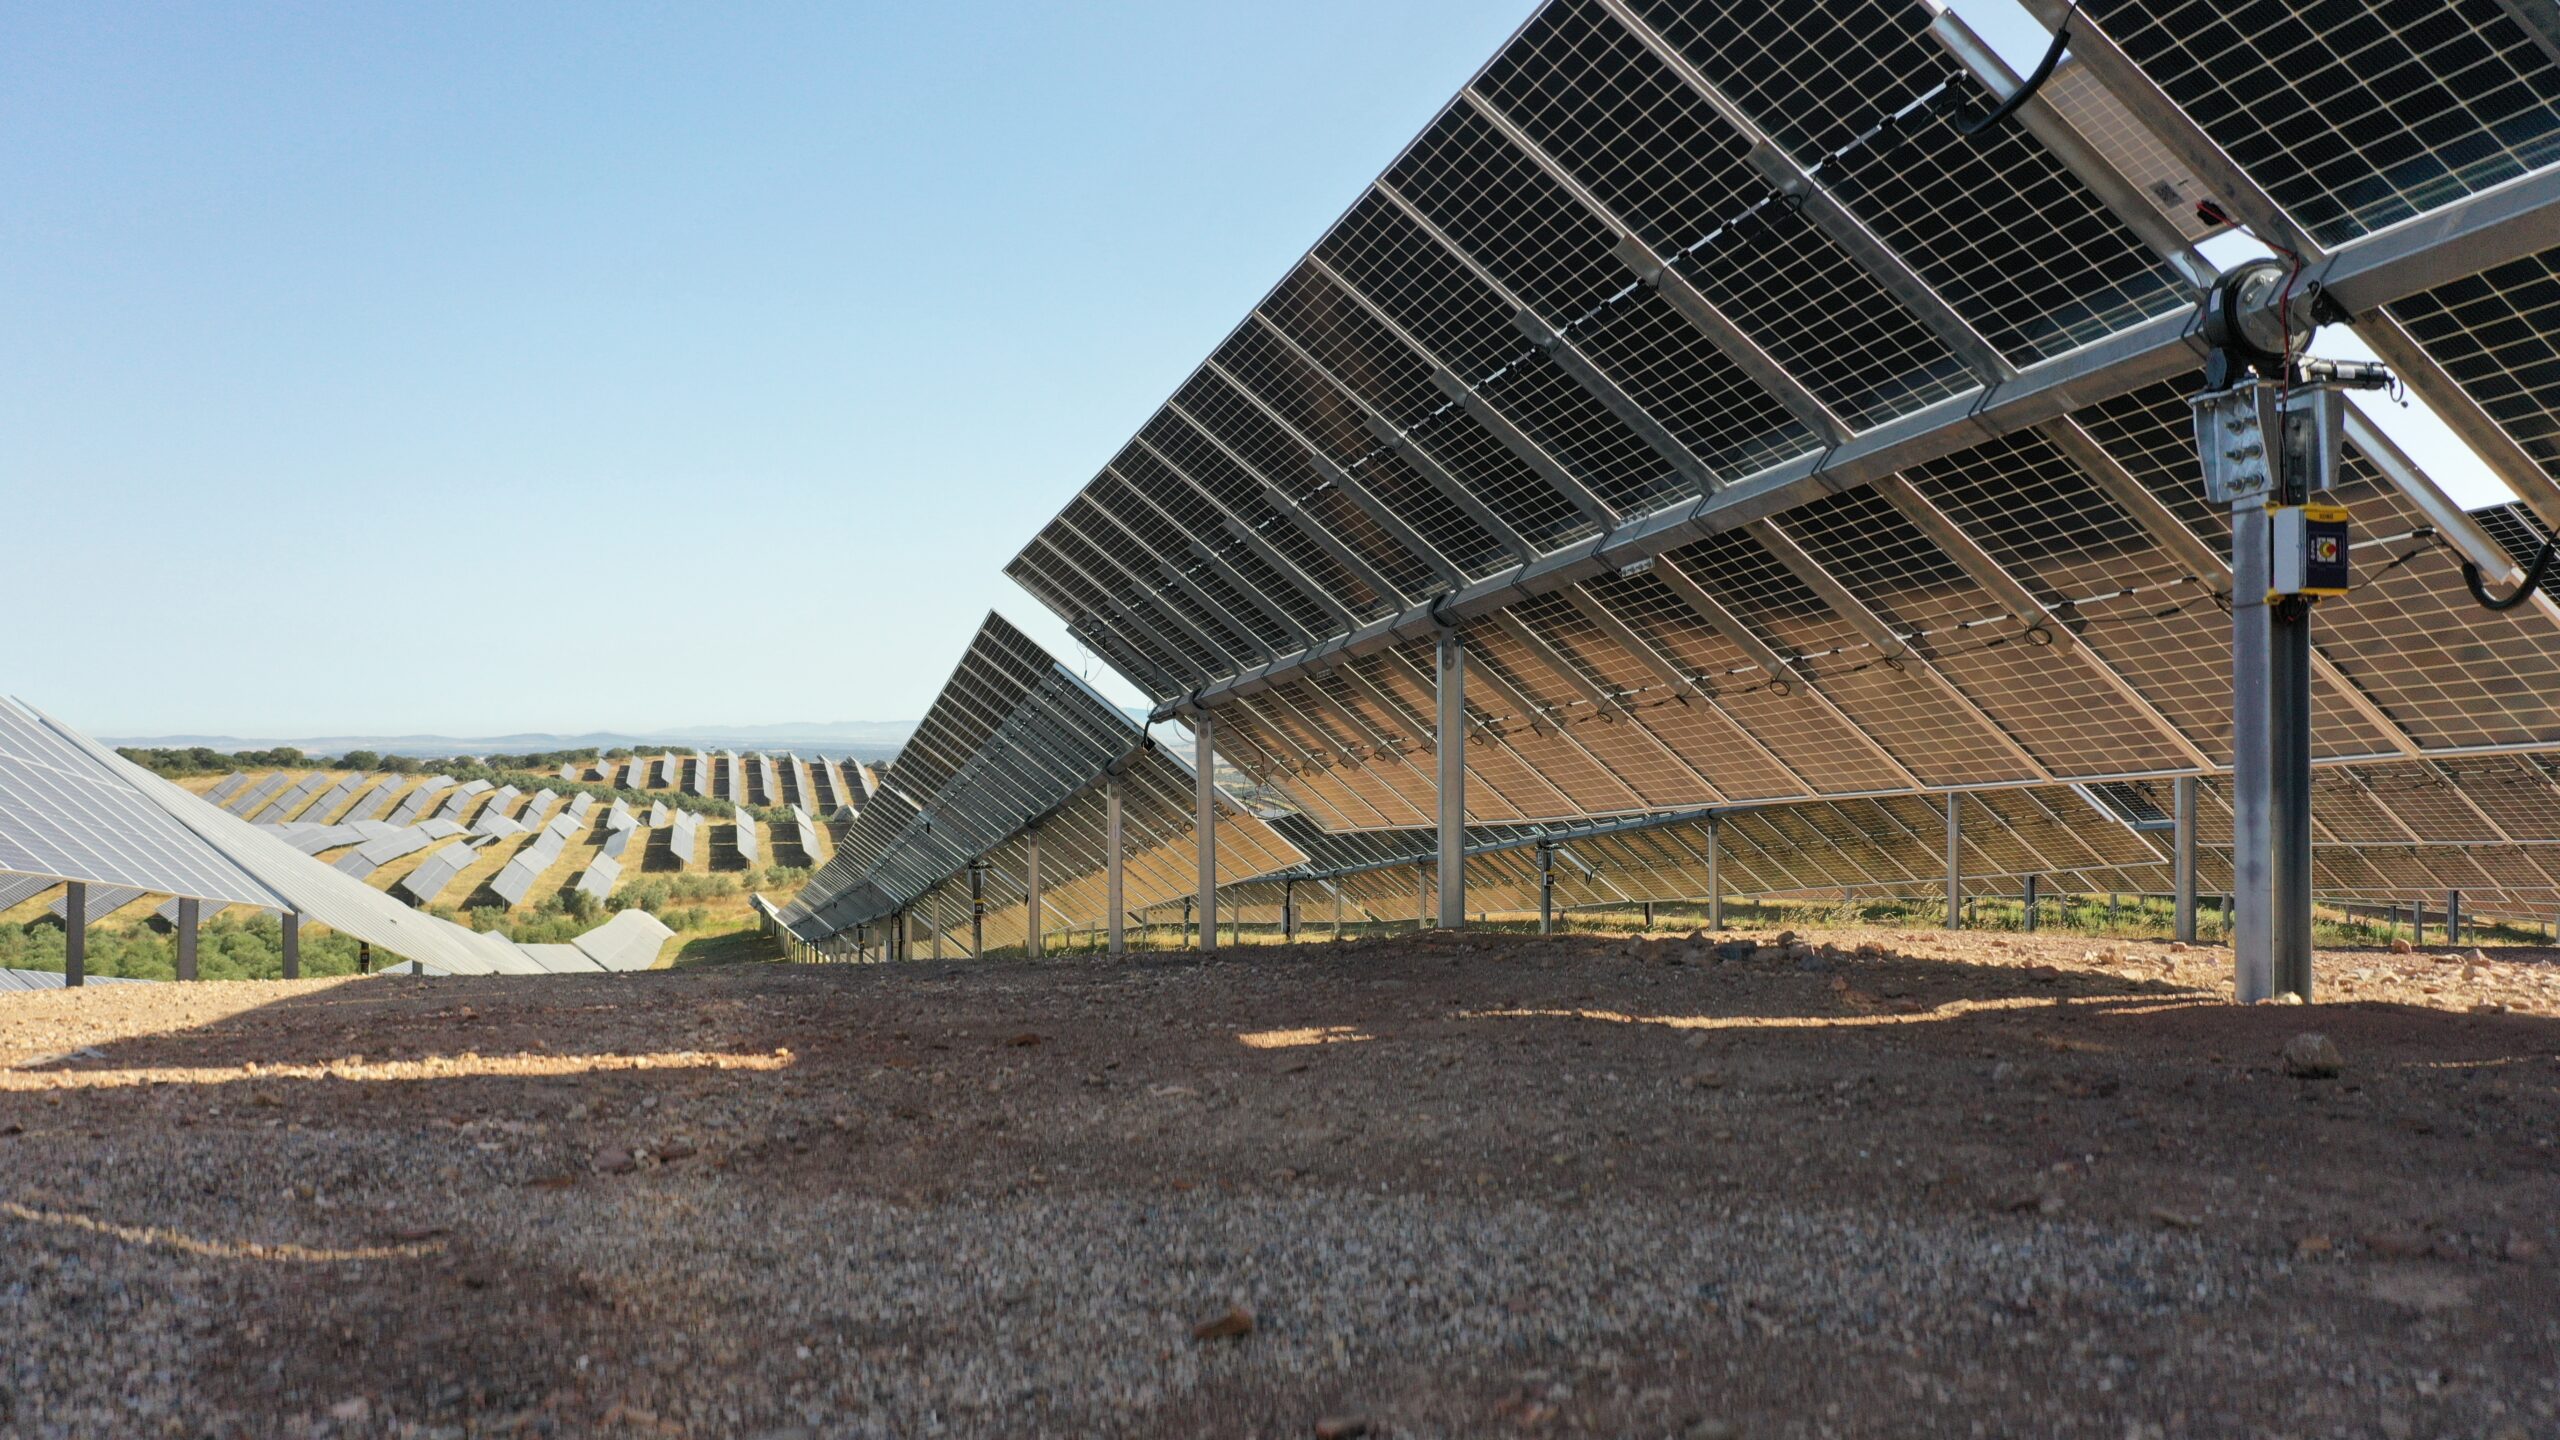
[2532, 580]
[2026, 90]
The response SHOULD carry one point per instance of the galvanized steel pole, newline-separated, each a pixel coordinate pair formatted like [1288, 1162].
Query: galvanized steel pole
[1114, 896]
[1955, 862]
[1715, 874]
[75, 934]
[2270, 767]
[1204, 822]
[293, 945]
[2183, 858]
[1546, 887]
[1452, 741]
[1031, 889]
[190, 915]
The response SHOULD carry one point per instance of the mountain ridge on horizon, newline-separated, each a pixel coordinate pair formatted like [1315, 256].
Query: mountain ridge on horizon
[863, 739]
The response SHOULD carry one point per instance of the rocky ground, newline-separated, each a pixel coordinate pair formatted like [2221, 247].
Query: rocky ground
[1450, 1186]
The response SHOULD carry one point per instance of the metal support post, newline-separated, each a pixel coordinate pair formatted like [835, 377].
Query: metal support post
[2030, 908]
[1648, 915]
[1114, 898]
[1452, 741]
[2270, 771]
[2453, 917]
[1204, 822]
[1715, 874]
[1955, 861]
[1289, 912]
[1031, 892]
[293, 944]
[1546, 887]
[364, 957]
[75, 934]
[2417, 922]
[1337, 910]
[977, 909]
[2183, 859]
[1422, 896]
[190, 917]
[1189, 930]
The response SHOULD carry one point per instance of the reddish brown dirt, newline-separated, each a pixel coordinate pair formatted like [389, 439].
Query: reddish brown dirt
[1467, 1186]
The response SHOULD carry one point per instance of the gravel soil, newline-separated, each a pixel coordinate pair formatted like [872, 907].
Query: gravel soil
[1902, 1184]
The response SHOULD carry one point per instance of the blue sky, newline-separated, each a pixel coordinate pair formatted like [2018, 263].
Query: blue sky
[483, 368]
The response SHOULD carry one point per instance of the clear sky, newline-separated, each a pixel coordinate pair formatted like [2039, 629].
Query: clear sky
[483, 368]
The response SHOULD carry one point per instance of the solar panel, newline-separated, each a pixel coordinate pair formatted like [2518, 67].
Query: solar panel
[601, 874]
[617, 841]
[103, 900]
[377, 803]
[414, 804]
[746, 837]
[680, 836]
[67, 815]
[628, 941]
[290, 807]
[249, 802]
[436, 874]
[805, 835]
[226, 787]
[16, 890]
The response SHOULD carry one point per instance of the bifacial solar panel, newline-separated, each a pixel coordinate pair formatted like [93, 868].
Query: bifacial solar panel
[413, 806]
[67, 815]
[249, 802]
[600, 876]
[436, 874]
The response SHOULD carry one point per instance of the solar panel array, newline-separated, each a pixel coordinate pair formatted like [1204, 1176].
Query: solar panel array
[680, 832]
[437, 873]
[514, 881]
[746, 838]
[16, 890]
[826, 784]
[601, 874]
[67, 815]
[301, 795]
[538, 810]
[332, 805]
[414, 805]
[1013, 739]
[804, 834]
[1782, 452]
[376, 804]
[249, 802]
[73, 810]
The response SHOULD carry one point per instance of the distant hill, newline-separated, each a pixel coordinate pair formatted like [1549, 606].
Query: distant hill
[862, 739]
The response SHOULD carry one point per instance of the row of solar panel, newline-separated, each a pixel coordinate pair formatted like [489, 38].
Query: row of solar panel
[1656, 252]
